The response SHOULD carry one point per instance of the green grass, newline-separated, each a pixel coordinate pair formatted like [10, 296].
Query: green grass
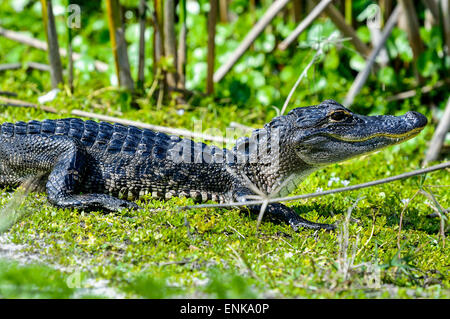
[218, 253]
[42, 281]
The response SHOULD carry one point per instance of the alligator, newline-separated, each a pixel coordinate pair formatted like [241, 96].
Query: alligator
[88, 165]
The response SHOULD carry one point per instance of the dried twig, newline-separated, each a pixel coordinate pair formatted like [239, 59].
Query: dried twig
[364, 74]
[188, 228]
[439, 136]
[243, 262]
[20, 103]
[14, 209]
[401, 218]
[10, 66]
[346, 29]
[433, 6]
[268, 16]
[52, 41]
[212, 20]
[41, 45]
[242, 127]
[370, 237]
[102, 90]
[182, 46]
[328, 192]
[440, 212]
[164, 129]
[119, 45]
[170, 50]
[235, 230]
[38, 66]
[69, 55]
[8, 93]
[436, 211]
[445, 9]
[304, 24]
[344, 262]
[411, 93]
[412, 28]
[223, 10]
[141, 54]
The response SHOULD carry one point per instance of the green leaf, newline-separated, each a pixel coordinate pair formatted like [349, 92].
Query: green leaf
[269, 43]
[357, 62]
[331, 60]
[288, 73]
[266, 95]
[403, 47]
[428, 63]
[320, 84]
[320, 31]
[257, 79]
[132, 32]
[386, 75]
[363, 33]
[370, 11]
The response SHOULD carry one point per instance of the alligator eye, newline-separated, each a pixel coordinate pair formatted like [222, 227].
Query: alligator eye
[339, 116]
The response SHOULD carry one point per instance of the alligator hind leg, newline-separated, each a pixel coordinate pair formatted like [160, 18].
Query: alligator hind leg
[66, 176]
[56, 162]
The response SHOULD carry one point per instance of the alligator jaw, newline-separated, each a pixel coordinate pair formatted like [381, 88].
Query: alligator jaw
[394, 128]
[396, 138]
[353, 135]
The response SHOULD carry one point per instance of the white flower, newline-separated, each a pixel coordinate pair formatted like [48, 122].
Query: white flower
[319, 190]
[345, 182]
[333, 179]
[405, 201]
[288, 255]
[193, 7]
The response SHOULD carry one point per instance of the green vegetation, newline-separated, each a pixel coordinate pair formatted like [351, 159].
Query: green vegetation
[39, 281]
[218, 253]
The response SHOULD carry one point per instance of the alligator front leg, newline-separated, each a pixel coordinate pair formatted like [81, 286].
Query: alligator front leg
[280, 213]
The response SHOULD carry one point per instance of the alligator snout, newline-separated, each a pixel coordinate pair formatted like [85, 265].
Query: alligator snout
[416, 119]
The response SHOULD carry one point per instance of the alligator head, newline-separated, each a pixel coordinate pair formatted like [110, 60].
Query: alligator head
[329, 133]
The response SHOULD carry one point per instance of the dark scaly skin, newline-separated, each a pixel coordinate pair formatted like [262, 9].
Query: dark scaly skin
[101, 166]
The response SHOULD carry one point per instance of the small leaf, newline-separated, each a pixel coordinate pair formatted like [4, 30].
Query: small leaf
[357, 62]
[363, 33]
[386, 75]
[332, 60]
[428, 63]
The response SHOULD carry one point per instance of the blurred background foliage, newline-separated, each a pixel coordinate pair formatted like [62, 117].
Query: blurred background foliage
[261, 79]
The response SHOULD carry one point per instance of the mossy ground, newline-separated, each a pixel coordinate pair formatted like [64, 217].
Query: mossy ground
[219, 253]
